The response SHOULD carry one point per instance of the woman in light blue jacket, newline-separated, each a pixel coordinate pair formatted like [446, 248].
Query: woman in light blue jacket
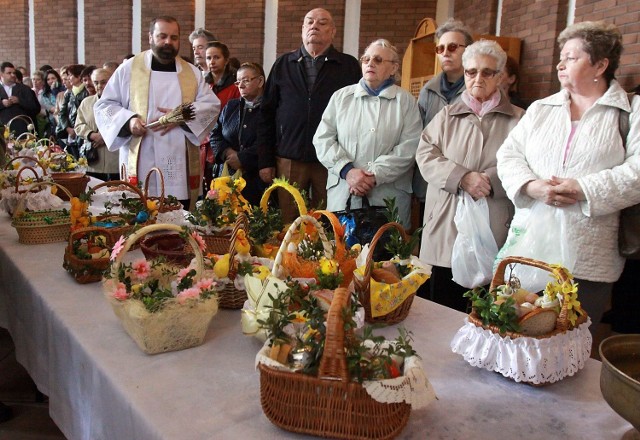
[368, 136]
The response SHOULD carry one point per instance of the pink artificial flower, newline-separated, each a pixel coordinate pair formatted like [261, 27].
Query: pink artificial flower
[183, 272]
[117, 248]
[121, 292]
[205, 284]
[141, 268]
[192, 292]
[198, 238]
[212, 194]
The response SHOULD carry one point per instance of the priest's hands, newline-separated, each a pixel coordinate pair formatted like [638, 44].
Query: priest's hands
[137, 127]
[165, 128]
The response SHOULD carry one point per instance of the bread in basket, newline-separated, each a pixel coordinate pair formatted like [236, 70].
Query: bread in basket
[542, 346]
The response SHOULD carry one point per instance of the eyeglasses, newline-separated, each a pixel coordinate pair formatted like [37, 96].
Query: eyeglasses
[484, 73]
[451, 47]
[245, 82]
[377, 60]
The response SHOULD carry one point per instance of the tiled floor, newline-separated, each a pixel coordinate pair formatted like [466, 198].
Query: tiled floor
[30, 409]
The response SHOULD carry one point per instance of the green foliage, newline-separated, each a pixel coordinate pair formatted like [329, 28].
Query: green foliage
[396, 245]
[502, 315]
[264, 226]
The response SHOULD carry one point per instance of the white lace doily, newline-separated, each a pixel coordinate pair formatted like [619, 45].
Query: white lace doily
[525, 359]
[39, 201]
[413, 387]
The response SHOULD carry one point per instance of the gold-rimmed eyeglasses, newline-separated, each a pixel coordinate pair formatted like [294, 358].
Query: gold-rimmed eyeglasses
[451, 47]
[484, 73]
[245, 82]
[377, 60]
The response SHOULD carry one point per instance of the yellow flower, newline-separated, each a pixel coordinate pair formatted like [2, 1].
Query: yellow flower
[136, 288]
[328, 267]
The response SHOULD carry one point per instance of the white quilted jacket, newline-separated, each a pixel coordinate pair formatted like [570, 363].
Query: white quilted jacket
[608, 175]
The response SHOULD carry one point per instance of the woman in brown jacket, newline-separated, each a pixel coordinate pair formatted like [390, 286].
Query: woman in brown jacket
[457, 152]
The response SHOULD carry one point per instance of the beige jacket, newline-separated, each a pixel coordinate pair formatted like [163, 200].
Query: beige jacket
[455, 142]
[85, 124]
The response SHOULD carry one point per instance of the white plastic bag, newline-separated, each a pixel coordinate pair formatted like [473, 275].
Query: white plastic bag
[543, 236]
[475, 247]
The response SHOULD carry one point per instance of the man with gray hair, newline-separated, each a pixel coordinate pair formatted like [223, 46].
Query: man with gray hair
[199, 40]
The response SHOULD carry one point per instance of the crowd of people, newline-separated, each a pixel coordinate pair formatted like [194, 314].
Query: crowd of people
[344, 132]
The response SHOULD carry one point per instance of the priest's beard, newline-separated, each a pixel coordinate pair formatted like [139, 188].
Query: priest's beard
[164, 53]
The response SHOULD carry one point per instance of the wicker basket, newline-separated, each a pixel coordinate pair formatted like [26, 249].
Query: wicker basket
[363, 285]
[115, 232]
[231, 297]
[40, 227]
[169, 245]
[175, 327]
[562, 322]
[85, 271]
[329, 405]
[162, 205]
[75, 183]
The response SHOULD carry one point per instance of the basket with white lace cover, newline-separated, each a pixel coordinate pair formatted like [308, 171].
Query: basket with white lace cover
[551, 355]
[161, 306]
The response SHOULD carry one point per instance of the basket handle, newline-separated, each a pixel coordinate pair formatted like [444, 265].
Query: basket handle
[24, 118]
[562, 322]
[333, 364]
[20, 208]
[146, 185]
[133, 188]
[84, 231]
[338, 231]
[369, 261]
[264, 200]
[289, 236]
[31, 158]
[20, 171]
[242, 222]
[137, 235]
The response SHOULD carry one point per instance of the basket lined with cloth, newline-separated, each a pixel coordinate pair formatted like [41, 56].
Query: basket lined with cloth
[44, 225]
[547, 343]
[387, 294]
[86, 257]
[331, 403]
[162, 307]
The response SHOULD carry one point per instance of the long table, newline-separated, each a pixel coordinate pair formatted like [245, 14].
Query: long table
[101, 386]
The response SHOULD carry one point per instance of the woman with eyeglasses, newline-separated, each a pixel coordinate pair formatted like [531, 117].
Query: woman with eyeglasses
[569, 153]
[222, 78]
[233, 139]
[457, 152]
[368, 135]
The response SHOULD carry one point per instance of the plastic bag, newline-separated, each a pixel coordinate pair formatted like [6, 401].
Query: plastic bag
[543, 235]
[475, 248]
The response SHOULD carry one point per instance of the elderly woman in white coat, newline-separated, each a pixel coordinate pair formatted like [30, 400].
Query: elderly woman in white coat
[457, 152]
[368, 136]
[568, 153]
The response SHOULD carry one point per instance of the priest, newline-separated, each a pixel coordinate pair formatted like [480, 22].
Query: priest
[144, 88]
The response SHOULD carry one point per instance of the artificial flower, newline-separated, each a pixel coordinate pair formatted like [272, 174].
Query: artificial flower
[141, 269]
[205, 284]
[192, 292]
[184, 272]
[121, 292]
[117, 248]
[198, 238]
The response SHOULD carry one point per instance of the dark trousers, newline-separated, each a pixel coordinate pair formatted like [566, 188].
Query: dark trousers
[441, 289]
[625, 300]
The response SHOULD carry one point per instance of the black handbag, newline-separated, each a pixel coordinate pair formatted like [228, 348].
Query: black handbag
[89, 153]
[361, 225]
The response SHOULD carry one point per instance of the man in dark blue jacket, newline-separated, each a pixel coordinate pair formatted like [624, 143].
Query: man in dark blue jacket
[297, 92]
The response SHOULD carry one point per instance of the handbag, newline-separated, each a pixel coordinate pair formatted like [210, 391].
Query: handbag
[89, 153]
[629, 227]
[361, 224]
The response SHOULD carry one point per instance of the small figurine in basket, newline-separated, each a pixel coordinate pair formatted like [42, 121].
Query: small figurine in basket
[163, 307]
[312, 353]
[524, 336]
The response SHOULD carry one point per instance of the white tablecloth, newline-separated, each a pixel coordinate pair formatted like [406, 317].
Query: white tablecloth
[101, 386]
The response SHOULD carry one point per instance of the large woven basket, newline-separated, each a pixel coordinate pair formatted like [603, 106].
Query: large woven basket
[562, 322]
[115, 232]
[363, 285]
[40, 227]
[85, 271]
[75, 183]
[329, 405]
[175, 327]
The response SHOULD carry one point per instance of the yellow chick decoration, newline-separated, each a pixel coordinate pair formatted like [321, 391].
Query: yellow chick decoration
[152, 207]
[221, 268]
[243, 247]
[262, 272]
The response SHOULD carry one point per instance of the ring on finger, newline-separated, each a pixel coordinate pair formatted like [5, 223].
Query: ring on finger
[556, 203]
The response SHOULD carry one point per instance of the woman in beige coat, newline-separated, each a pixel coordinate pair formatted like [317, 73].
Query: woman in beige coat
[457, 152]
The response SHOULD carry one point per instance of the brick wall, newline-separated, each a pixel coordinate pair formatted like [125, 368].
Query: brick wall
[15, 34]
[625, 15]
[107, 31]
[479, 15]
[397, 23]
[241, 28]
[183, 13]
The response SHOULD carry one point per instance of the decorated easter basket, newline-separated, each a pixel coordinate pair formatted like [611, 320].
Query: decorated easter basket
[330, 404]
[164, 205]
[269, 249]
[84, 265]
[182, 321]
[537, 359]
[75, 183]
[386, 303]
[42, 226]
[170, 245]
